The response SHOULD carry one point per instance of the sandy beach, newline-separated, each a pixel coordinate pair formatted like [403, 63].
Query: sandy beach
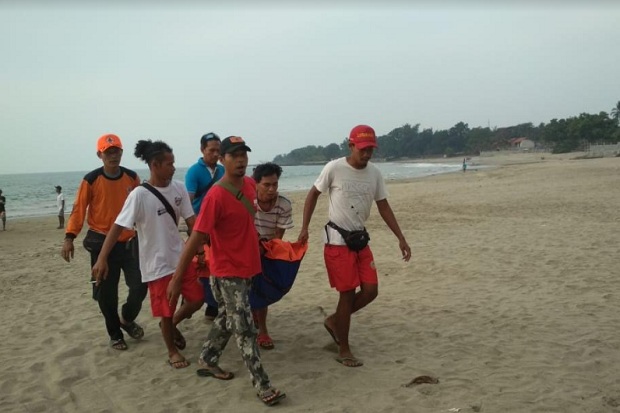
[511, 300]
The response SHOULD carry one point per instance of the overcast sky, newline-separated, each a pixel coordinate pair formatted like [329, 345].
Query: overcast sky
[284, 78]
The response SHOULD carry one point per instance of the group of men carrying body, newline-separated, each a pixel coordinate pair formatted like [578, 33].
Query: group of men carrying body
[232, 214]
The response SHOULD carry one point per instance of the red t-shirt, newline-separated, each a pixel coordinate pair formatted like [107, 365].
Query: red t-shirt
[234, 239]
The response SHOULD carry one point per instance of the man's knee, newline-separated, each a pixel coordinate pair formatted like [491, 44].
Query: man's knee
[371, 291]
[347, 296]
[139, 291]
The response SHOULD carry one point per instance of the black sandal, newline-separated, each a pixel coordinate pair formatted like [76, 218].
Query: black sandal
[271, 396]
[134, 330]
[118, 344]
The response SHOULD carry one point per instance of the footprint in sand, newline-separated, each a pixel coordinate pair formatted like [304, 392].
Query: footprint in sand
[422, 380]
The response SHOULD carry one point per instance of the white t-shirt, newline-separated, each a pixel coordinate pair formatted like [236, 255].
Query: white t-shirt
[158, 236]
[280, 216]
[351, 194]
[59, 201]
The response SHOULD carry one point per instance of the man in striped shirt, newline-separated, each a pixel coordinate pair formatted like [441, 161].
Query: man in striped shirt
[274, 215]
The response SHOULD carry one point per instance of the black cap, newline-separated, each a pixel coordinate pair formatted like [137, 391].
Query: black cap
[58, 187]
[232, 143]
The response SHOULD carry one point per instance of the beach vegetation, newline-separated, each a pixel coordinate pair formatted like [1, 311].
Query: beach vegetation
[410, 141]
[615, 113]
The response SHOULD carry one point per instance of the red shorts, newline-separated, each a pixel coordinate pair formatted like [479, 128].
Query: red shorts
[348, 269]
[191, 290]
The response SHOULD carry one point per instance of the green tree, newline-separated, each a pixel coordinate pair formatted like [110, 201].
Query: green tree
[615, 113]
[439, 143]
[561, 135]
[480, 139]
[332, 151]
[457, 138]
[555, 135]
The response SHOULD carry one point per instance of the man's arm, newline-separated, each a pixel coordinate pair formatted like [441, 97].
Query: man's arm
[309, 205]
[284, 220]
[279, 233]
[191, 184]
[200, 252]
[100, 269]
[388, 216]
[190, 221]
[76, 220]
[78, 214]
[193, 243]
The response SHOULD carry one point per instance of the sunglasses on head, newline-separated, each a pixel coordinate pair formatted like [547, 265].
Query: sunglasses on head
[209, 137]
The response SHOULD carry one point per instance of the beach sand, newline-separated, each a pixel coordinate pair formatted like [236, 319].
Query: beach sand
[511, 300]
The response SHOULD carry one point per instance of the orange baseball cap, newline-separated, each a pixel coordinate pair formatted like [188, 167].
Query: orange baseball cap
[363, 136]
[108, 141]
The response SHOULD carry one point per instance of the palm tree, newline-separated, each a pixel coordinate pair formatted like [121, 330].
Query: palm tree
[615, 113]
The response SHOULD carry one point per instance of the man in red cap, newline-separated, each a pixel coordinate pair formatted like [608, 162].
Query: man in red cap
[353, 184]
[99, 199]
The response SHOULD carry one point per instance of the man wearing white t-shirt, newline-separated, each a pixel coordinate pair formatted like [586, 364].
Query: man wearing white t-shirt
[60, 202]
[160, 245]
[352, 183]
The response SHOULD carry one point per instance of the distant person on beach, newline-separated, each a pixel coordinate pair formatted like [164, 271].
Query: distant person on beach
[464, 164]
[199, 178]
[99, 199]
[274, 215]
[352, 184]
[3, 210]
[155, 208]
[227, 215]
[60, 203]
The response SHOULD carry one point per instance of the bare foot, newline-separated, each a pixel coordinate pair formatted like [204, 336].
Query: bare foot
[349, 360]
[177, 361]
[213, 371]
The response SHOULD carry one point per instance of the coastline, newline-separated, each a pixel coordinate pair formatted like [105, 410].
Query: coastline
[510, 300]
[28, 197]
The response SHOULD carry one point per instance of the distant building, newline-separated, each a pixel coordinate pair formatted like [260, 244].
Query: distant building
[604, 150]
[522, 144]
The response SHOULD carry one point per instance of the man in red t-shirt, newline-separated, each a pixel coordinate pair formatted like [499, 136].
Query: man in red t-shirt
[227, 216]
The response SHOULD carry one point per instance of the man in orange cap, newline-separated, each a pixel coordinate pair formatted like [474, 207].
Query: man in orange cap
[99, 199]
[353, 183]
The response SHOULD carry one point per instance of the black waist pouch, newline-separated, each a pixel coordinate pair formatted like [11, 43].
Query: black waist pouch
[355, 240]
[93, 241]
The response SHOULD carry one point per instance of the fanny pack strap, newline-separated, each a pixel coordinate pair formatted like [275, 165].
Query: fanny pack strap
[163, 201]
[341, 231]
[199, 193]
[239, 195]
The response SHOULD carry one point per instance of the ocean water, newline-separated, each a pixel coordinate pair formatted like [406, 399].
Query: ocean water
[32, 195]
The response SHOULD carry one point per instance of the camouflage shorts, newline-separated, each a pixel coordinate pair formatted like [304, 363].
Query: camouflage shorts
[234, 317]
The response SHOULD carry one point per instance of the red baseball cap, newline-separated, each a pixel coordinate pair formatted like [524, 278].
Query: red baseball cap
[363, 136]
[108, 141]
